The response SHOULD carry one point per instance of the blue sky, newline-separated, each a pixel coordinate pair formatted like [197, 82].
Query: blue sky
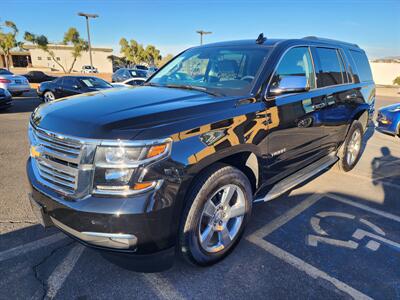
[171, 25]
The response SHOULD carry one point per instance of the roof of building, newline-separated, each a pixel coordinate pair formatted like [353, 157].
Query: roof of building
[63, 47]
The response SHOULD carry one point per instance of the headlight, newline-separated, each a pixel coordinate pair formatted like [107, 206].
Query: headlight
[115, 166]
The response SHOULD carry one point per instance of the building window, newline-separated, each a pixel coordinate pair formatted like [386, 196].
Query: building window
[58, 58]
[48, 58]
[39, 58]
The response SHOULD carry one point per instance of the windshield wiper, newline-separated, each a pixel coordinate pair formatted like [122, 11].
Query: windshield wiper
[191, 87]
[151, 84]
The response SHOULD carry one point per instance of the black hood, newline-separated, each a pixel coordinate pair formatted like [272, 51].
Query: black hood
[122, 113]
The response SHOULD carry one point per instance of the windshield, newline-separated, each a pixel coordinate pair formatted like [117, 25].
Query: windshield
[94, 82]
[221, 70]
[138, 73]
[5, 72]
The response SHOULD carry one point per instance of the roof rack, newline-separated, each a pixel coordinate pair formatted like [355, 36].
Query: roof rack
[315, 38]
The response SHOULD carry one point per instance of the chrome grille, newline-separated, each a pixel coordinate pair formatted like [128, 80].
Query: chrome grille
[58, 163]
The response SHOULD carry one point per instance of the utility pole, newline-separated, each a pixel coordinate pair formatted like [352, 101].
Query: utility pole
[202, 32]
[87, 16]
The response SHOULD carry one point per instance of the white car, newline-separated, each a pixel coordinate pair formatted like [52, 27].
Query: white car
[89, 69]
[135, 81]
[15, 84]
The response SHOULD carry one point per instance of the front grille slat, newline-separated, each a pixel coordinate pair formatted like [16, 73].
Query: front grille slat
[58, 165]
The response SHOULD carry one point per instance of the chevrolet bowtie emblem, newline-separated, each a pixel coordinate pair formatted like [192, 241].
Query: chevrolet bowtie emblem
[35, 151]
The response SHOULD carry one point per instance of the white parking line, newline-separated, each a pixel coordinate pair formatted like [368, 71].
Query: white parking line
[61, 272]
[17, 251]
[257, 238]
[162, 287]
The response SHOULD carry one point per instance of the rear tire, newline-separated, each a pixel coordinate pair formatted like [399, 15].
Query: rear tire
[217, 210]
[350, 152]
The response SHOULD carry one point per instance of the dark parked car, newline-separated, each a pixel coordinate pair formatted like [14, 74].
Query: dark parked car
[70, 85]
[38, 77]
[176, 165]
[389, 119]
[124, 74]
[5, 99]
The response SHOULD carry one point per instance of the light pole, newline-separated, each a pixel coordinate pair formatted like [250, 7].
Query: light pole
[202, 32]
[87, 16]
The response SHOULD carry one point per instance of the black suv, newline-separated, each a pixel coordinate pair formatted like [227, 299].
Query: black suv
[175, 166]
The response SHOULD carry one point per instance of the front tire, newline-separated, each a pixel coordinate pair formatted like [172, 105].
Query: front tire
[218, 208]
[48, 96]
[350, 152]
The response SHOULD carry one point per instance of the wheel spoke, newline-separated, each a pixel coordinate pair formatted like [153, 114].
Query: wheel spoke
[227, 195]
[224, 236]
[206, 235]
[236, 210]
[209, 209]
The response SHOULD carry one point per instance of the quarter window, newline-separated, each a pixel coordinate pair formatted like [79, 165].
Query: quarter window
[362, 65]
[296, 62]
[331, 70]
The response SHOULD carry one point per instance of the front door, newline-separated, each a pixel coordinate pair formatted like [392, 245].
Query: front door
[295, 130]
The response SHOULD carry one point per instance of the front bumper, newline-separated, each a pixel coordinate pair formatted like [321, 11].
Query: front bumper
[120, 225]
[5, 103]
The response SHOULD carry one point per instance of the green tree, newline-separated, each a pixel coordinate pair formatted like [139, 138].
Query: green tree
[152, 55]
[71, 37]
[397, 80]
[132, 51]
[8, 40]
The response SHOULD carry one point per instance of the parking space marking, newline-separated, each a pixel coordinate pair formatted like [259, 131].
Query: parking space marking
[368, 178]
[163, 288]
[17, 251]
[258, 236]
[61, 272]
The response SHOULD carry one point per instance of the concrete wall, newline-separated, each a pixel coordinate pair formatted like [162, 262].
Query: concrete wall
[385, 73]
[41, 59]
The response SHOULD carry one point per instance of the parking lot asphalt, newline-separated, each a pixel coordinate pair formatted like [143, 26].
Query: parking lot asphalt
[336, 236]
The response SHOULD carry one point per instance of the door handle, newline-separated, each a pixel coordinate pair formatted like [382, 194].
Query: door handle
[319, 106]
[351, 96]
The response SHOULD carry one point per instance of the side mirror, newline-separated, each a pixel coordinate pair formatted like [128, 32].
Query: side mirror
[290, 84]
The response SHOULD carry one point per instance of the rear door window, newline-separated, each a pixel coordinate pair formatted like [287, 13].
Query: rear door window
[331, 70]
[362, 65]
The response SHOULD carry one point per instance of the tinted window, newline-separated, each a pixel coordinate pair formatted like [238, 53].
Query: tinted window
[94, 82]
[221, 70]
[331, 68]
[362, 65]
[69, 82]
[138, 73]
[296, 62]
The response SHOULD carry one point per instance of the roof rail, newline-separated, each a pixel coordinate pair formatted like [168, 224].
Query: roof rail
[328, 40]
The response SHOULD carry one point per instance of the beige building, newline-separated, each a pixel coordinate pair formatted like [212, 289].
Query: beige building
[36, 58]
[62, 53]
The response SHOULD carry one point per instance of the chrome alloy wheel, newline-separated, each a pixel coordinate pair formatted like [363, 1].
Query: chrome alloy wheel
[48, 97]
[222, 218]
[353, 147]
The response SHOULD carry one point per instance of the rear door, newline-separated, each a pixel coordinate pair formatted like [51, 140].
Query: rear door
[295, 131]
[334, 84]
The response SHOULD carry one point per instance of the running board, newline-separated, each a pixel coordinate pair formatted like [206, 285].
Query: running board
[300, 176]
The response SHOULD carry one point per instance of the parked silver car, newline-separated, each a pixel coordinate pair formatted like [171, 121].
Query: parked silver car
[15, 84]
